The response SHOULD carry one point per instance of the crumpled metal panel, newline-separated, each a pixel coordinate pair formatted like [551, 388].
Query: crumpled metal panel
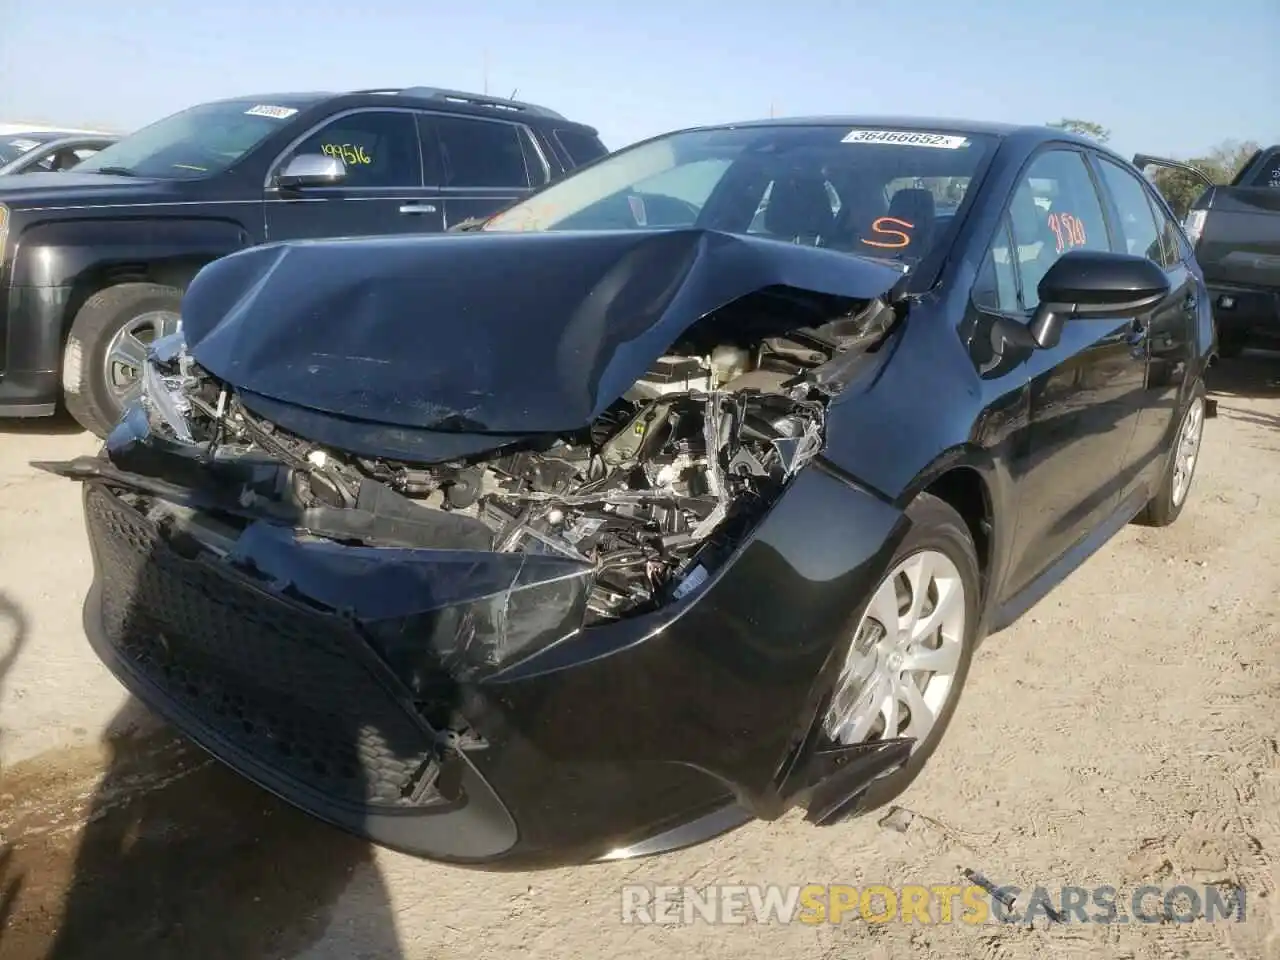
[483, 333]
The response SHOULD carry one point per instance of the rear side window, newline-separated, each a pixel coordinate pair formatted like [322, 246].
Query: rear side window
[1139, 234]
[581, 147]
[481, 153]
[1170, 237]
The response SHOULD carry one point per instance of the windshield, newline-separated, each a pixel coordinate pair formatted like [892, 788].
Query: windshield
[197, 142]
[14, 146]
[883, 193]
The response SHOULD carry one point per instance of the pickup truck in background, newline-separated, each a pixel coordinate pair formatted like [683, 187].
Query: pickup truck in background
[1235, 230]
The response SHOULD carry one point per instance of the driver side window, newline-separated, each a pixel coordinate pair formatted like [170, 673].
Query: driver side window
[1055, 209]
[379, 148]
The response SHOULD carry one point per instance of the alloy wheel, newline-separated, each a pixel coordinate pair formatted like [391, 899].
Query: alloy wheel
[905, 654]
[1187, 450]
[127, 352]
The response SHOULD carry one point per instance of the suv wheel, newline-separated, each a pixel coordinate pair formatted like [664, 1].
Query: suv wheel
[103, 358]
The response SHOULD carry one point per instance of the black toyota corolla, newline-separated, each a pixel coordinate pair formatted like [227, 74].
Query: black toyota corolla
[676, 496]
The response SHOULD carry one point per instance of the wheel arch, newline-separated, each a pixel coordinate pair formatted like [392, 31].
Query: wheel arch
[968, 479]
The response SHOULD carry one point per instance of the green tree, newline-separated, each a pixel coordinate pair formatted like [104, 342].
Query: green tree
[1086, 128]
[1220, 165]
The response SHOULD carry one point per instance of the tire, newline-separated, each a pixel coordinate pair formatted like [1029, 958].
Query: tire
[937, 527]
[86, 388]
[1165, 507]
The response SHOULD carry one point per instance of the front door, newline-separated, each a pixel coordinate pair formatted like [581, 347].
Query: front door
[383, 191]
[1083, 395]
[484, 165]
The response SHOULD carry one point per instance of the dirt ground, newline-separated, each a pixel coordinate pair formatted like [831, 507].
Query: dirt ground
[1124, 733]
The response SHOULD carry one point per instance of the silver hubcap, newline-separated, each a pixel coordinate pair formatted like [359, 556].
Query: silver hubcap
[127, 352]
[902, 664]
[1187, 451]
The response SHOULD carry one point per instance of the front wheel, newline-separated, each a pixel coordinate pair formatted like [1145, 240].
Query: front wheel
[911, 646]
[1175, 485]
[103, 357]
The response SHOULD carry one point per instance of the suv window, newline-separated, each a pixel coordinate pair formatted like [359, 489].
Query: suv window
[379, 148]
[481, 153]
[1054, 209]
[1139, 233]
[582, 148]
[1268, 174]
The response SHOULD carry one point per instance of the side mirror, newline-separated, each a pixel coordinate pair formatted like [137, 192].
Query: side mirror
[1088, 284]
[312, 170]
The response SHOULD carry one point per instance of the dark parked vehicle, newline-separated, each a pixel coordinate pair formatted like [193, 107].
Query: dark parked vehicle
[97, 258]
[1235, 229]
[686, 521]
[49, 151]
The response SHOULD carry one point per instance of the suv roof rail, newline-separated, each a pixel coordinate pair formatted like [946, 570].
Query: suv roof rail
[480, 100]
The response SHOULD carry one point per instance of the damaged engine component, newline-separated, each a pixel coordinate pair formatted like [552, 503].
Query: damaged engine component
[653, 494]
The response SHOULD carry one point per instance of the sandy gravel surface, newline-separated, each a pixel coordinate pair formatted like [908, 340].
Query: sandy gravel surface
[1124, 733]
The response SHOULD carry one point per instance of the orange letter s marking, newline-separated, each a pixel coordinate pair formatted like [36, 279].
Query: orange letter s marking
[904, 238]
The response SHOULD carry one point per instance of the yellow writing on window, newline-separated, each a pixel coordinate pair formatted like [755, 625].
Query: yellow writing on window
[352, 154]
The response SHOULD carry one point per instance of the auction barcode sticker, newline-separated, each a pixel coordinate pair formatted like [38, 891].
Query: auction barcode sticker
[908, 138]
[266, 110]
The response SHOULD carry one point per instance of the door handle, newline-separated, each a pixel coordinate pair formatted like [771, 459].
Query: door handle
[417, 208]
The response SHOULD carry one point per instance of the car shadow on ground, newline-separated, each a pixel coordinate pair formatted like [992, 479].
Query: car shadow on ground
[13, 635]
[60, 424]
[1255, 373]
[181, 858]
[1252, 375]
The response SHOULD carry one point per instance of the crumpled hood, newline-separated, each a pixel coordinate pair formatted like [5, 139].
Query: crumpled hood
[483, 332]
[31, 191]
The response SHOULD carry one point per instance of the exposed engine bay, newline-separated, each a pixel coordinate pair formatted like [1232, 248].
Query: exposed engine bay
[653, 494]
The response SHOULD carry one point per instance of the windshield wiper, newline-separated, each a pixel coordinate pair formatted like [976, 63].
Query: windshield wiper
[115, 171]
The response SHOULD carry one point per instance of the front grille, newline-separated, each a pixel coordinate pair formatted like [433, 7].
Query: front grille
[284, 683]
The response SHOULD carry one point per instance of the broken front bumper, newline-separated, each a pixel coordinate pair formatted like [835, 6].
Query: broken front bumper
[362, 684]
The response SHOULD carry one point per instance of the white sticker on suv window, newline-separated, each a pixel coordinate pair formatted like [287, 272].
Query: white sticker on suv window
[908, 138]
[266, 110]
[24, 145]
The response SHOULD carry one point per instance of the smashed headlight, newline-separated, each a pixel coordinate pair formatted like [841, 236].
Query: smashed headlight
[166, 379]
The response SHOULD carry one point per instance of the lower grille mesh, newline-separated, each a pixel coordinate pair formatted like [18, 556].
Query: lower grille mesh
[283, 683]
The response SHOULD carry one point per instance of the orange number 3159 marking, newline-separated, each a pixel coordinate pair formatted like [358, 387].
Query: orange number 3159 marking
[1067, 230]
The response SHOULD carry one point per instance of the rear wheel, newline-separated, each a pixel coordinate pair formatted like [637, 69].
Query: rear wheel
[1166, 506]
[911, 645]
[107, 346]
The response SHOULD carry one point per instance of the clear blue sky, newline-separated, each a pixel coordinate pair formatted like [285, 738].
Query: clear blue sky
[1174, 77]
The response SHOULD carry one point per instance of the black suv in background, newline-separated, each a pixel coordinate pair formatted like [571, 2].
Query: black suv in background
[93, 262]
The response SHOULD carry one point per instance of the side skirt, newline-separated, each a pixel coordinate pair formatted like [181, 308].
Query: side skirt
[1026, 598]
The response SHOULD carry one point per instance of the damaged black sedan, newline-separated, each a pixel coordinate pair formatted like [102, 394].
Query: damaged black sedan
[676, 496]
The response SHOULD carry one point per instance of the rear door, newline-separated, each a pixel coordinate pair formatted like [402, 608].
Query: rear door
[485, 164]
[1143, 227]
[383, 192]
